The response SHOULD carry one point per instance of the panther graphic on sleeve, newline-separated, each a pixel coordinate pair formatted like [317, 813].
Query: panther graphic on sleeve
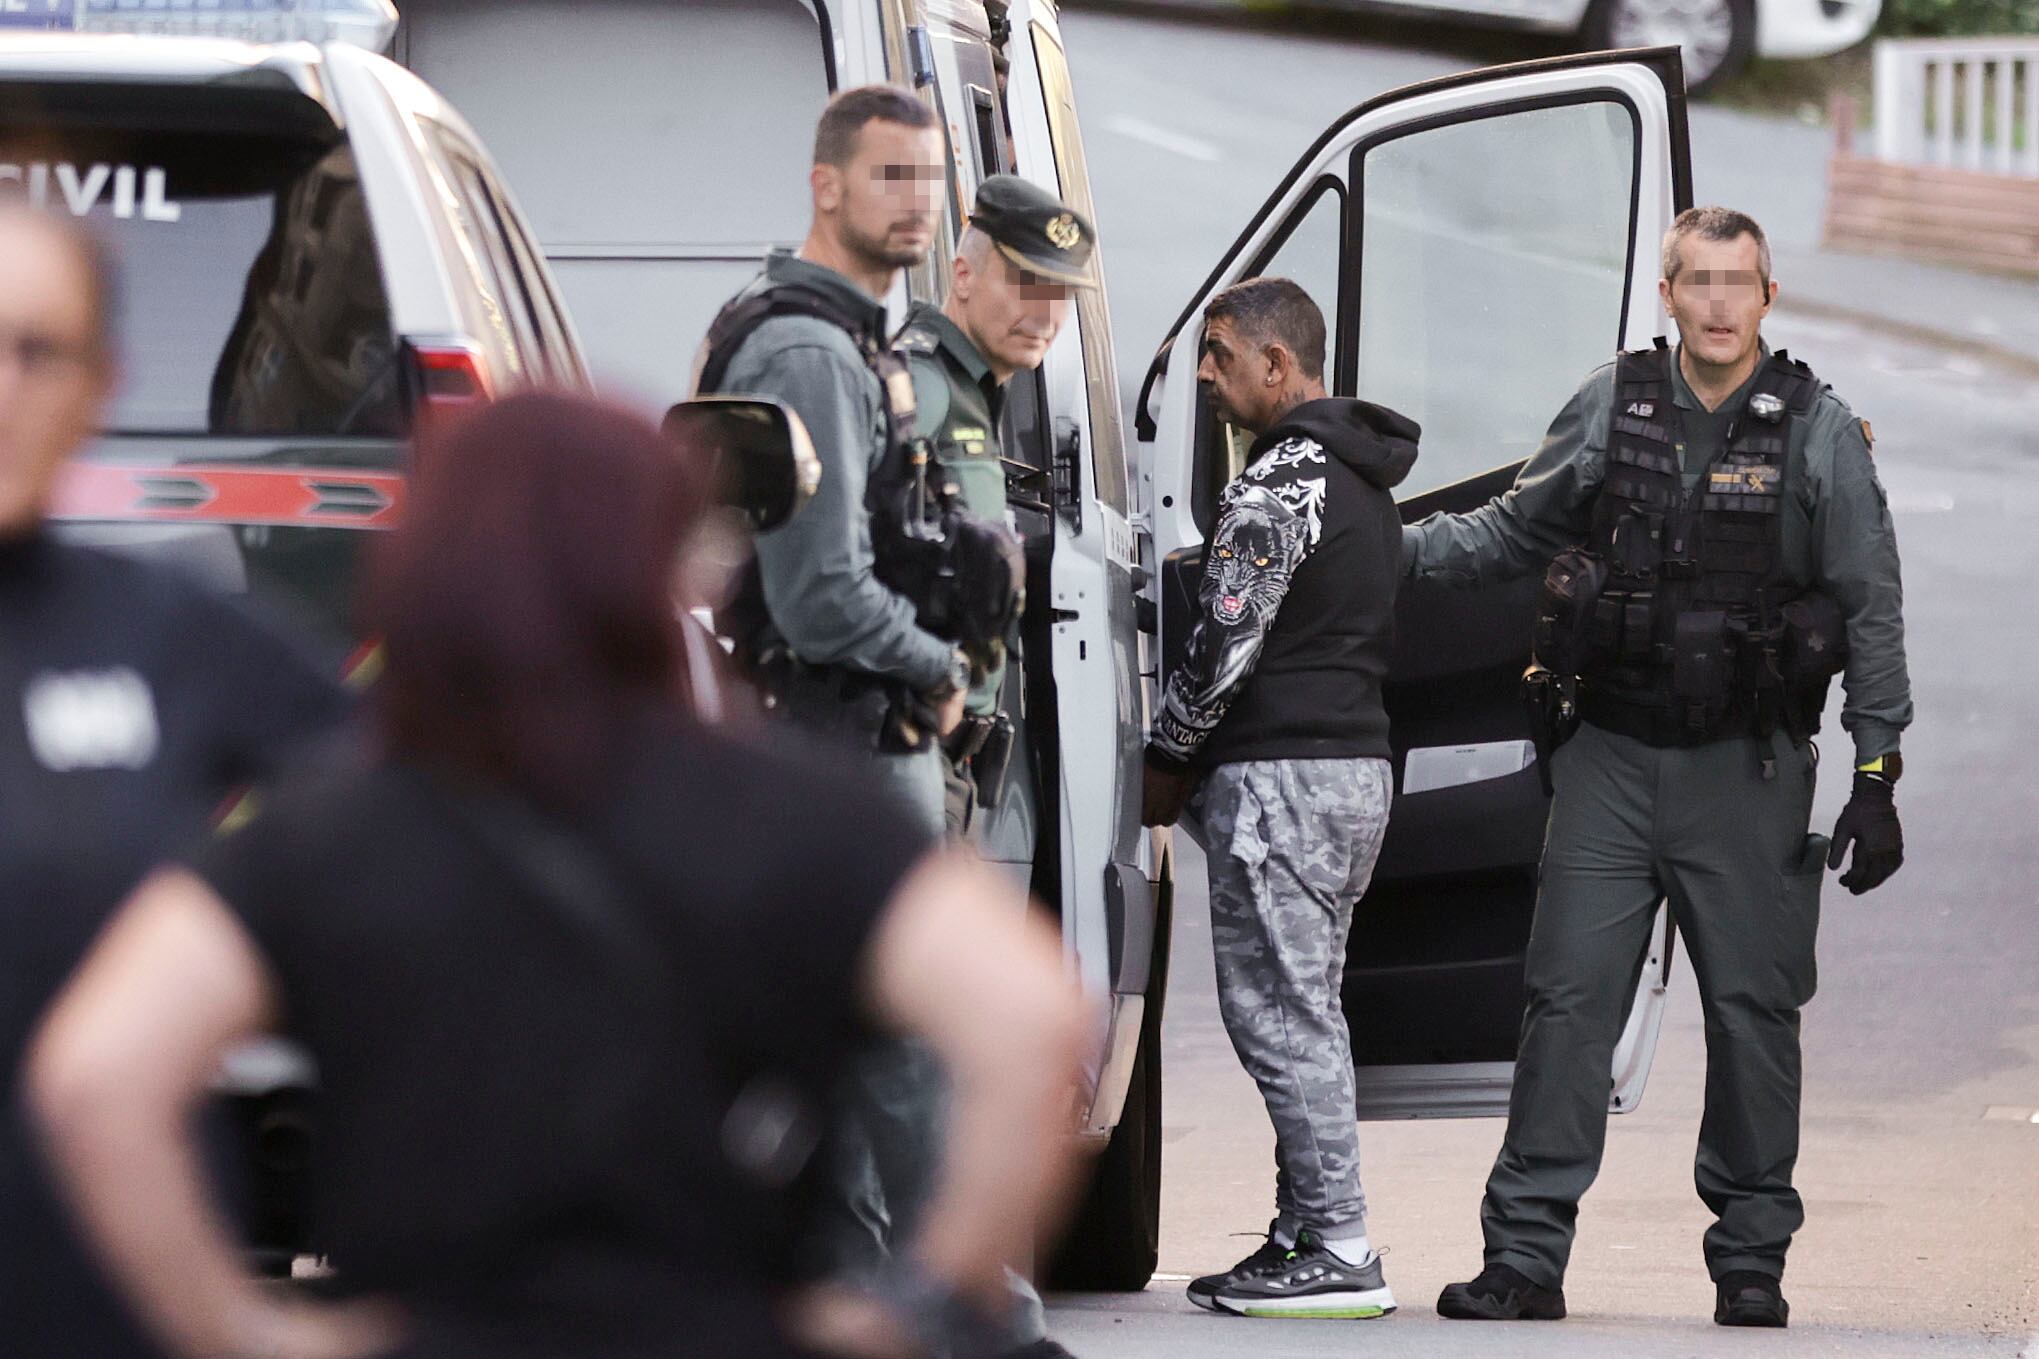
[1259, 543]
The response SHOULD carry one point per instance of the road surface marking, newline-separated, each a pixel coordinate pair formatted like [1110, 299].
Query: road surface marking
[1141, 130]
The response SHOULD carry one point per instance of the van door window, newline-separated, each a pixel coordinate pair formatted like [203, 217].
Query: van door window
[1107, 437]
[1308, 250]
[1496, 257]
[958, 47]
[987, 127]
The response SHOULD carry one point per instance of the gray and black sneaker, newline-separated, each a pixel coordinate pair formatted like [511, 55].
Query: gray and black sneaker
[1303, 1280]
[1271, 1255]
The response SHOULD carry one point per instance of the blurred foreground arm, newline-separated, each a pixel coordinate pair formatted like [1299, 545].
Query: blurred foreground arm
[959, 961]
[122, 1060]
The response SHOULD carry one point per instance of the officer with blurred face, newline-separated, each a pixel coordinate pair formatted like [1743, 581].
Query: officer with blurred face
[1020, 259]
[830, 621]
[132, 702]
[840, 650]
[1718, 548]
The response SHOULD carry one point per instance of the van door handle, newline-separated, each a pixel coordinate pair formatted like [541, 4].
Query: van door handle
[1069, 471]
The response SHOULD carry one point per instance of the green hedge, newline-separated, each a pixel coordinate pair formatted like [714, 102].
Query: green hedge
[1957, 18]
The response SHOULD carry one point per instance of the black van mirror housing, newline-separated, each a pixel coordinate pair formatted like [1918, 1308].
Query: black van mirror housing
[756, 454]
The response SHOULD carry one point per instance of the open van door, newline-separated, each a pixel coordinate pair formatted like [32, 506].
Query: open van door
[1478, 244]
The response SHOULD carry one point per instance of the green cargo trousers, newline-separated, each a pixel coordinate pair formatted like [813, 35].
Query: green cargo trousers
[1632, 825]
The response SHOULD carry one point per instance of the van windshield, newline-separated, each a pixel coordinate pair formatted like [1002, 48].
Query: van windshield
[250, 297]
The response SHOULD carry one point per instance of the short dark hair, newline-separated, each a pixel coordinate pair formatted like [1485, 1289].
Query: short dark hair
[525, 600]
[102, 273]
[1714, 223]
[1274, 311]
[835, 136]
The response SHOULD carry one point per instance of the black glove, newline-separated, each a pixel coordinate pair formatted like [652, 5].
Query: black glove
[1869, 822]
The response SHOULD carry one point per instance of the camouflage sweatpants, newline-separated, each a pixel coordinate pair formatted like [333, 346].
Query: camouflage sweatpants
[1291, 845]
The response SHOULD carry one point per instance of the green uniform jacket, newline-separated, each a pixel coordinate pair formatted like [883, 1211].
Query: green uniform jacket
[959, 403]
[821, 594]
[1837, 532]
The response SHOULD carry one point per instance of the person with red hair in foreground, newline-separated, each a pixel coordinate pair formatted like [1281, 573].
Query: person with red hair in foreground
[573, 967]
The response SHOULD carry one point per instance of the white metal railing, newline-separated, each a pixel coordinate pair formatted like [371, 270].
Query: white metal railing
[1967, 103]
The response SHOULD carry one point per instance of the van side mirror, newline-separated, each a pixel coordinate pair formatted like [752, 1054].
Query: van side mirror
[756, 454]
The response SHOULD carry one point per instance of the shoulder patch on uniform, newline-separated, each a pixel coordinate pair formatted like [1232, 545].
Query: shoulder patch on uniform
[1868, 435]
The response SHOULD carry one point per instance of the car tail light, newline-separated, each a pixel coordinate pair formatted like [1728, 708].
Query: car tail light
[448, 378]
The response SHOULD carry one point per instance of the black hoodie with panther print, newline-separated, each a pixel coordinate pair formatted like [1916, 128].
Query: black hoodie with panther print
[1298, 598]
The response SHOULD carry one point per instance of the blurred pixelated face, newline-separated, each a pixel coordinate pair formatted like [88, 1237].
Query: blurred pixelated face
[1240, 377]
[1719, 299]
[53, 373]
[1012, 314]
[884, 201]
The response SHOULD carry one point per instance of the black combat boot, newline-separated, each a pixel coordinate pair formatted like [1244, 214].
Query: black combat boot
[1749, 1298]
[1501, 1294]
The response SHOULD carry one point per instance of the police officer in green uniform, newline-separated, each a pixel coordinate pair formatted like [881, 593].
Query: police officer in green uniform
[1718, 547]
[1020, 258]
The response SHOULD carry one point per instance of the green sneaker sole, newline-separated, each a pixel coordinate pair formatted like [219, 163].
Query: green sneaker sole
[1318, 1313]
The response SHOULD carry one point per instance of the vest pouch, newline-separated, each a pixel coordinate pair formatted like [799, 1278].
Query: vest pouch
[1814, 648]
[1562, 636]
[1702, 668]
[1637, 543]
[987, 582]
[1638, 612]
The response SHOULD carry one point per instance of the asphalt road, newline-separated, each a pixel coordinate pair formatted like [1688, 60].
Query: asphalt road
[1920, 1166]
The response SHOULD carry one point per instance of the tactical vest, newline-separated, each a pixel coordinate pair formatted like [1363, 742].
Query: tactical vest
[745, 313]
[963, 576]
[1677, 618]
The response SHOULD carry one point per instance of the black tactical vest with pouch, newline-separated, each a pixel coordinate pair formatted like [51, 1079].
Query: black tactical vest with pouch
[1677, 618]
[964, 577]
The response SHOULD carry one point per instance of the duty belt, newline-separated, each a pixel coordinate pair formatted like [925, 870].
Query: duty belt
[1657, 724]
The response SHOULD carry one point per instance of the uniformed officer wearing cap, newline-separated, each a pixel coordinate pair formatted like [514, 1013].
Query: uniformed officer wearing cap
[1020, 258]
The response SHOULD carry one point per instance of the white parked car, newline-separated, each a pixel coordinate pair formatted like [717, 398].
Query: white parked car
[1717, 37]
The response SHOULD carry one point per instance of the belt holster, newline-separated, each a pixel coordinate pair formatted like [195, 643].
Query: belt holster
[981, 745]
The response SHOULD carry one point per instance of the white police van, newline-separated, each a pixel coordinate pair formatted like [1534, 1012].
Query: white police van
[1480, 241]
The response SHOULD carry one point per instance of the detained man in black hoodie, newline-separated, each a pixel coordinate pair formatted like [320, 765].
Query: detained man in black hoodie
[1275, 721]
